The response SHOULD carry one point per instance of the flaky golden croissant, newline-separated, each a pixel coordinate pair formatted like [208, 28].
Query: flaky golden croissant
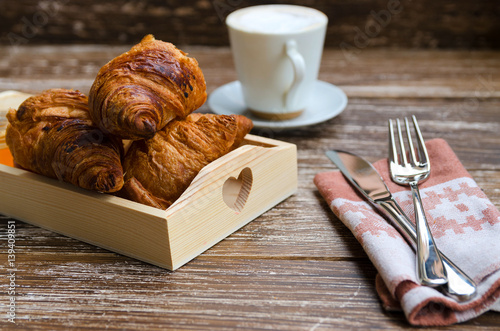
[158, 170]
[139, 92]
[52, 134]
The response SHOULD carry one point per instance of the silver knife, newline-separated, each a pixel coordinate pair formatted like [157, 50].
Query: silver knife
[368, 182]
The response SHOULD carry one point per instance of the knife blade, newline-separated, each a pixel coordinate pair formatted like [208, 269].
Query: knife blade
[365, 178]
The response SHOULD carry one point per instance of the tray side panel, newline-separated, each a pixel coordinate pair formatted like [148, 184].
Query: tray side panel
[201, 218]
[110, 222]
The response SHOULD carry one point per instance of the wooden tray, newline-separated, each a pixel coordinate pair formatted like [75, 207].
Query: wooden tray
[227, 194]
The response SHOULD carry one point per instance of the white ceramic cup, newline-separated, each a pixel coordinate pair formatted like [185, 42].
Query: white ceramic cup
[277, 53]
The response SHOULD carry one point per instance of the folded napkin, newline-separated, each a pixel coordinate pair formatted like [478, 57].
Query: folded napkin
[465, 225]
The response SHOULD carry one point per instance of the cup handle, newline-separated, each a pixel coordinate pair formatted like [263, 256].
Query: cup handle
[299, 68]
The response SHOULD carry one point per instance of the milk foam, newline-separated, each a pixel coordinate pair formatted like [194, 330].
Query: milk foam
[276, 19]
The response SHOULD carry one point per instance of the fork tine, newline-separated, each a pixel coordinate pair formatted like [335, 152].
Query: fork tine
[422, 150]
[413, 158]
[393, 153]
[402, 149]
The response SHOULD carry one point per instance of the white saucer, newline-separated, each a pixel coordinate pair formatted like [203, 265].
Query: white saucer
[327, 102]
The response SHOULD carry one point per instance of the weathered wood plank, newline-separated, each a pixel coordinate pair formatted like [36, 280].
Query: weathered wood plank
[353, 25]
[96, 288]
[372, 74]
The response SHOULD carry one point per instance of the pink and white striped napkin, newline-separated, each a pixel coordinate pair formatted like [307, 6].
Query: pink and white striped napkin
[465, 225]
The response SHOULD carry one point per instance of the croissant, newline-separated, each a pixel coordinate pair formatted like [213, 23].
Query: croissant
[51, 134]
[139, 92]
[158, 170]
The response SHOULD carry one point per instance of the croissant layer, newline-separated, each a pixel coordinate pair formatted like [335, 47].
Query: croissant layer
[158, 170]
[52, 134]
[139, 92]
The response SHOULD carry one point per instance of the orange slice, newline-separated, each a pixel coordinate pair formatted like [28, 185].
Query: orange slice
[6, 157]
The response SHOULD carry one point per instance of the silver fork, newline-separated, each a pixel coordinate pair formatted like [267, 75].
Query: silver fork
[410, 170]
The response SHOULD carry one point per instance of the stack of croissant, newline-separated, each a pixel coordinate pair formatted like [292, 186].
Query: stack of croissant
[147, 96]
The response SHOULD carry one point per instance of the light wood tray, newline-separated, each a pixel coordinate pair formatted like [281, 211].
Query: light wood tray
[227, 194]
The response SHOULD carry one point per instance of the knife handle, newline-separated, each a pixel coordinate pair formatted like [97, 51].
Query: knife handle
[459, 285]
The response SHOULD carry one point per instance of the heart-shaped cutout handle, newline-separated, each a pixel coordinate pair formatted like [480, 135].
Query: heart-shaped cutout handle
[235, 191]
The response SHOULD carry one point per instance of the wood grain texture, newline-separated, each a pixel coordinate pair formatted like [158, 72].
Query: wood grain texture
[359, 23]
[294, 268]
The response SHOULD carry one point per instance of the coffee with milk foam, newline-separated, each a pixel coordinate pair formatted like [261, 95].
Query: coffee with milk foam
[276, 19]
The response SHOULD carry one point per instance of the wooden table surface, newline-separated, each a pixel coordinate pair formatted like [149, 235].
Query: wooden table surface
[296, 267]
